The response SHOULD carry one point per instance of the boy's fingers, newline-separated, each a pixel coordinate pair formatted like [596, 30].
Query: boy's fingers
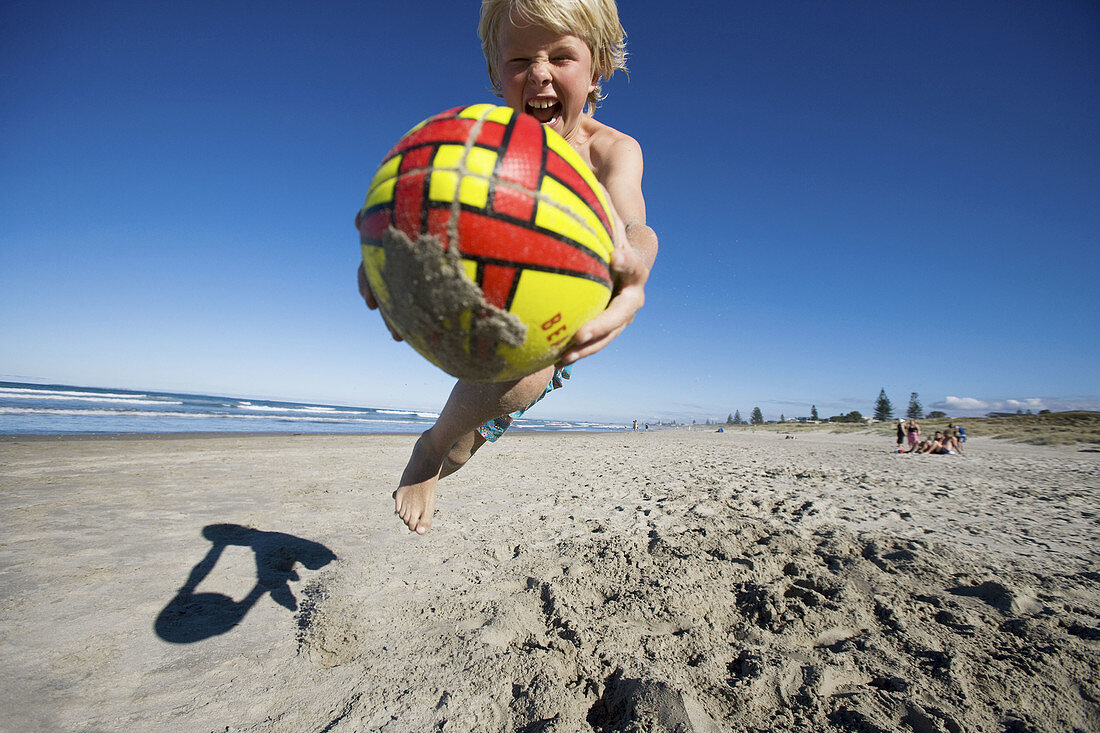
[372, 303]
[364, 289]
[396, 336]
[628, 267]
[619, 314]
[582, 350]
[601, 330]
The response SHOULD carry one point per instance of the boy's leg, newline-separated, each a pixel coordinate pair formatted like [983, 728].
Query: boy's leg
[454, 438]
[461, 451]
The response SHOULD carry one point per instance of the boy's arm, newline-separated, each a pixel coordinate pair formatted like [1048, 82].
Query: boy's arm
[634, 254]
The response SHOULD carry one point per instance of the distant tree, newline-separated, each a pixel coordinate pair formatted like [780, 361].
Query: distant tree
[935, 415]
[737, 418]
[915, 410]
[883, 409]
[813, 413]
[853, 416]
[1044, 412]
[782, 418]
[757, 416]
[729, 420]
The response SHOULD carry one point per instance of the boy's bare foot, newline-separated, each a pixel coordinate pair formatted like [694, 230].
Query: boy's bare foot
[414, 500]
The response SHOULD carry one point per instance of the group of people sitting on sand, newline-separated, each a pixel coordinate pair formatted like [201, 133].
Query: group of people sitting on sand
[947, 441]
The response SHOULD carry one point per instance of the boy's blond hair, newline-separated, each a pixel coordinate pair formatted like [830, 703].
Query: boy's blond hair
[596, 22]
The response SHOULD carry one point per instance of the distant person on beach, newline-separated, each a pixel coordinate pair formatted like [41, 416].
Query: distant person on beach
[901, 434]
[921, 446]
[913, 432]
[961, 433]
[940, 444]
[947, 443]
[951, 441]
[546, 58]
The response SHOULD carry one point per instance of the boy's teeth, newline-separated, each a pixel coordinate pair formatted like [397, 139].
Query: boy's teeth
[544, 110]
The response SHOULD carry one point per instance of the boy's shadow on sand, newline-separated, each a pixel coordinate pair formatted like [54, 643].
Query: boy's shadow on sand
[191, 617]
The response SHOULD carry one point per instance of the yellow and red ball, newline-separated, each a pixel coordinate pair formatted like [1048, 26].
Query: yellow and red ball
[510, 206]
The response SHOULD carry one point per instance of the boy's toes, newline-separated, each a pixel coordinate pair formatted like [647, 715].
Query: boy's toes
[423, 523]
[414, 520]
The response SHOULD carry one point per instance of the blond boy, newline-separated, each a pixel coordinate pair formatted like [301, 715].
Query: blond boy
[546, 58]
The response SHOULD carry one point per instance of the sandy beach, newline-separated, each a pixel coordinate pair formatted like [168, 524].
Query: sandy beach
[663, 581]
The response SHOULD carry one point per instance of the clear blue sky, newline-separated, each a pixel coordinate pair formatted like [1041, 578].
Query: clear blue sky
[849, 196]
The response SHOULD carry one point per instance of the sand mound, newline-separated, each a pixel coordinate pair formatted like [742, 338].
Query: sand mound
[726, 625]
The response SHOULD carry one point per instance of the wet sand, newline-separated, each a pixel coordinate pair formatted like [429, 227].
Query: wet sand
[670, 580]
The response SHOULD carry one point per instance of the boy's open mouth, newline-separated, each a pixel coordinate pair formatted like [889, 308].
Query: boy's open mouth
[543, 110]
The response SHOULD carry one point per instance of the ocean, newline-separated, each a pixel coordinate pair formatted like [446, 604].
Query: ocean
[51, 409]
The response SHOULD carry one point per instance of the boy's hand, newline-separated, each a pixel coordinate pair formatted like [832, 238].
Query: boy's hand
[368, 296]
[630, 272]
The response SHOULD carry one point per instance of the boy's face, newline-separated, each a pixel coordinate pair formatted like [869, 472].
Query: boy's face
[545, 75]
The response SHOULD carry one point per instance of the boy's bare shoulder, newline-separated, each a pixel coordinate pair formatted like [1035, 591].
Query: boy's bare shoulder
[609, 148]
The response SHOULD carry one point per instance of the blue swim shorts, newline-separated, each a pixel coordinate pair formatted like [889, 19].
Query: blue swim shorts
[495, 428]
